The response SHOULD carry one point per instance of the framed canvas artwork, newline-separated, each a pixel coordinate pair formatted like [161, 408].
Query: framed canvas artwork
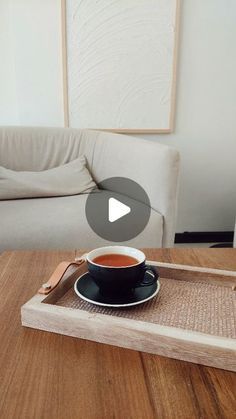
[119, 64]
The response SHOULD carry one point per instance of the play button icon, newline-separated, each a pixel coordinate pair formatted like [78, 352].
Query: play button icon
[117, 210]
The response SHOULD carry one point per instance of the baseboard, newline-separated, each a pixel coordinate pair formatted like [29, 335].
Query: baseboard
[204, 237]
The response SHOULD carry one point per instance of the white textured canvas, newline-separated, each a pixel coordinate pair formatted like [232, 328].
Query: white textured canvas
[120, 59]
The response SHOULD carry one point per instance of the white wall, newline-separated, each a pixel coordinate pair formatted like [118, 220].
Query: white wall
[31, 86]
[8, 102]
[205, 132]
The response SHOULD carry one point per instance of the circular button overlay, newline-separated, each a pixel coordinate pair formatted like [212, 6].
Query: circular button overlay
[118, 210]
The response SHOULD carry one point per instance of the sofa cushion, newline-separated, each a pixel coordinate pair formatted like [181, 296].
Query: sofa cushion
[60, 223]
[69, 179]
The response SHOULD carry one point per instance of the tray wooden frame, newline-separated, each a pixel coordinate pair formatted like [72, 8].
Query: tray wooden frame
[40, 312]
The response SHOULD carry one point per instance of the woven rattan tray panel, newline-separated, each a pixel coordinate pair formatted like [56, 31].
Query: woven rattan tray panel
[193, 317]
[195, 306]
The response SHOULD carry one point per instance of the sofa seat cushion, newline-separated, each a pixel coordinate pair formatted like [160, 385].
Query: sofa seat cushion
[60, 223]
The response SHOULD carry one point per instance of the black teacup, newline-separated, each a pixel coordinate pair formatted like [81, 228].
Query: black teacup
[117, 270]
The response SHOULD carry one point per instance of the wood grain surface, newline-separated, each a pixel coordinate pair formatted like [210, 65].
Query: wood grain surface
[45, 375]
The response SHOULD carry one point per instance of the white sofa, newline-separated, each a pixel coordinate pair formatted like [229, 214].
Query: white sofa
[60, 222]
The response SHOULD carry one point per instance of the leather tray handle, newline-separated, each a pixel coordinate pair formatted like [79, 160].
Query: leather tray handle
[57, 275]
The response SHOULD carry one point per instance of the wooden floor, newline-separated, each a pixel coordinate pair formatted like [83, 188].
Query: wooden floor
[45, 375]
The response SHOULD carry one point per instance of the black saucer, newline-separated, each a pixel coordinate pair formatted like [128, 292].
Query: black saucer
[86, 289]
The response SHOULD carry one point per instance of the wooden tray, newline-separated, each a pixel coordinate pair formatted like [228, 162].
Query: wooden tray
[193, 318]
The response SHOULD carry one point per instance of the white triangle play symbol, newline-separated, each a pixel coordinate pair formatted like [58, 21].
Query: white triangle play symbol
[117, 209]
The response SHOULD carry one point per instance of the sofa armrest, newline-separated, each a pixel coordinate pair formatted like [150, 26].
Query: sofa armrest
[153, 165]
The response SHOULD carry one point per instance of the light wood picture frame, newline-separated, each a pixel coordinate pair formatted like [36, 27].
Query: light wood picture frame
[88, 74]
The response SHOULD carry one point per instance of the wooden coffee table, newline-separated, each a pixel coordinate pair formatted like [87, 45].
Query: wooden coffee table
[44, 375]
